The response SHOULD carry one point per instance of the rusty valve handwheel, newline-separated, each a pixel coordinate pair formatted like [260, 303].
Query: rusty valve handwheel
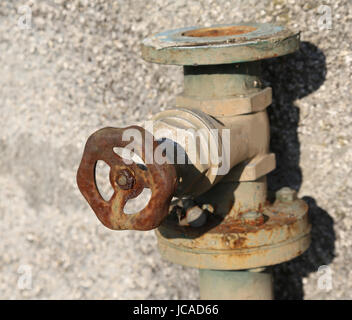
[127, 180]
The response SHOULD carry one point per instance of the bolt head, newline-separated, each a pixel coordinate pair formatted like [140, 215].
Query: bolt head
[286, 194]
[125, 179]
[251, 215]
[253, 218]
[121, 180]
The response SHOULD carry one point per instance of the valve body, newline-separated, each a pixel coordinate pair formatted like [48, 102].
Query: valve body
[214, 149]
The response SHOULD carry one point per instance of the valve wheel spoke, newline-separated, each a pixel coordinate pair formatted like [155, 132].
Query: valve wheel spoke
[127, 179]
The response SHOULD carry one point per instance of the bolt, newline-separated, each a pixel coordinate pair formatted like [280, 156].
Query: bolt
[253, 218]
[286, 194]
[196, 216]
[251, 215]
[190, 214]
[125, 179]
[121, 180]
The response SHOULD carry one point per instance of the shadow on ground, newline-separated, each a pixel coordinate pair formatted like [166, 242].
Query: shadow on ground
[293, 77]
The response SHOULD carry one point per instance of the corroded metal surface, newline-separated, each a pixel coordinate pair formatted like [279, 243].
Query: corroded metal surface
[244, 231]
[221, 67]
[235, 243]
[220, 44]
[127, 180]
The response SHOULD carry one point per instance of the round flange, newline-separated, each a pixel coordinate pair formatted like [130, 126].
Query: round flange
[220, 44]
[237, 244]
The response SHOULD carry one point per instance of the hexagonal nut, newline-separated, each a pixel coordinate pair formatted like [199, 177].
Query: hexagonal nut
[286, 194]
[253, 218]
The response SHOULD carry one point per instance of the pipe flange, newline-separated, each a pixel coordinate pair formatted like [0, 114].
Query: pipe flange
[219, 44]
[277, 233]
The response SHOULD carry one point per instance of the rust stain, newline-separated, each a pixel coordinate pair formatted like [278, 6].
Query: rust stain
[233, 241]
[219, 31]
[277, 221]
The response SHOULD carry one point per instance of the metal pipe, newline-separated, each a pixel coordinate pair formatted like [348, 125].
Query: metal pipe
[223, 80]
[235, 285]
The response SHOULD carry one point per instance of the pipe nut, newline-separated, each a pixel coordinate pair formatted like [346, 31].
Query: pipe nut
[286, 194]
[253, 218]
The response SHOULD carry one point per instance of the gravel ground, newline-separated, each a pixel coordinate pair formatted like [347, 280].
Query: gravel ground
[78, 68]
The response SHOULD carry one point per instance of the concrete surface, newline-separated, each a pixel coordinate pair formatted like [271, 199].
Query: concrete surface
[78, 68]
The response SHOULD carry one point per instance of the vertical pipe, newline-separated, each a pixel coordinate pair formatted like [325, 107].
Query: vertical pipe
[220, 81]
[235, 285]
[207, 82]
